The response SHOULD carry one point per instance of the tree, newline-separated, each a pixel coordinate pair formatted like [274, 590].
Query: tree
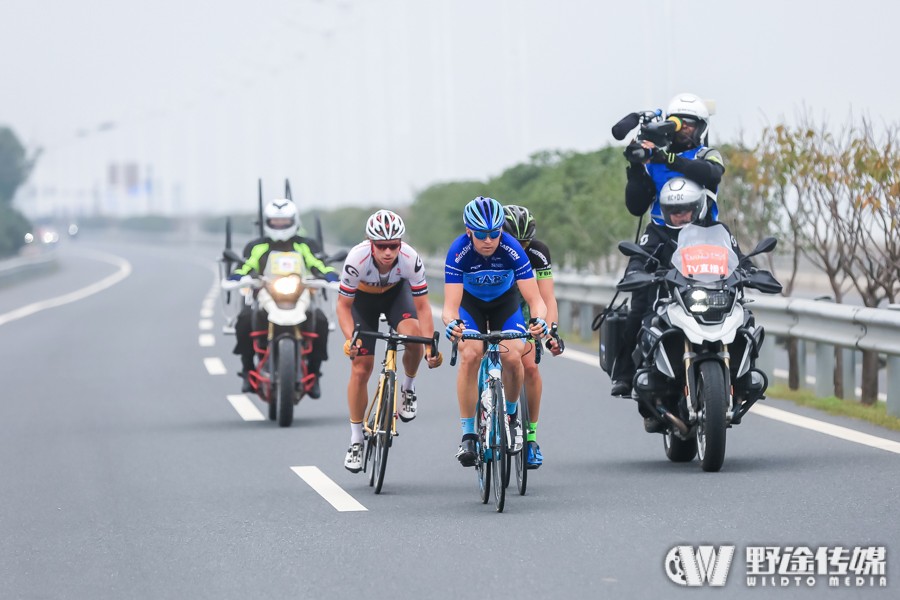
[15, 167]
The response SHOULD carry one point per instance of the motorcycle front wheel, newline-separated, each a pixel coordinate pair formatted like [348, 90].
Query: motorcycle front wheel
[286, 377]
[713, 404]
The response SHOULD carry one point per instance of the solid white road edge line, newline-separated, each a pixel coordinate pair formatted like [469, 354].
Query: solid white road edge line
[123, 272]
[245, 408]
[215, 366]
[844, 433]
[811, 380]
[328, 489]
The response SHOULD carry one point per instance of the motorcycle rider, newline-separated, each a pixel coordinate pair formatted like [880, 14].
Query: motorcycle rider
[280, 225]
[382, 274]
[681, 201]
[484, 266]
[520, 223]
[685, 157]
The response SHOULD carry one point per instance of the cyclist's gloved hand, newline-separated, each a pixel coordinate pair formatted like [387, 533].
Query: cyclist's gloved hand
[434, 361]
[351, 350]
[538, 327]
[331, 277]
[454, 330]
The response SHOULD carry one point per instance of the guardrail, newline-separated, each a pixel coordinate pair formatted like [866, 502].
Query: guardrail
[825, 324]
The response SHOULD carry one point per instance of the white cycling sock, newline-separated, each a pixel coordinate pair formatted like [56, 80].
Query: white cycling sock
[409, 383]
[356, 434]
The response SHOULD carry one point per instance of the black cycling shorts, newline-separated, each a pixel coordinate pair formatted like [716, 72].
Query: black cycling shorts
[502, 313]
[396, 304]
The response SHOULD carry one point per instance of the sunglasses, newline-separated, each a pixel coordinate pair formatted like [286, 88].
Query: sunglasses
[386, 245]
[481, 234]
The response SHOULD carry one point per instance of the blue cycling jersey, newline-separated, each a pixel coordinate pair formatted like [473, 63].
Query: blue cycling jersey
[487, 278]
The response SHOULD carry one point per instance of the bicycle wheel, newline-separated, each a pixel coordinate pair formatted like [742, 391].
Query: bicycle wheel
[499, 448]
[383, 437]
[482, 466]
[522, 455]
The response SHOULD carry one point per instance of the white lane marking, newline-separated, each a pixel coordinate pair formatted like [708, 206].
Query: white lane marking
[844, 433]
[215, 366]
[207, 313]
[582, 357]
[328, 489]
[207, 340]
[244, 407]
[205, 324]
[123, 272]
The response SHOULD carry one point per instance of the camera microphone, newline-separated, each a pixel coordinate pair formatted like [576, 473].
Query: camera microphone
[628, 122]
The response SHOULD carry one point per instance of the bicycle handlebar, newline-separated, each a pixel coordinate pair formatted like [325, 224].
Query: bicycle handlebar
[494, 337]
[398, 338]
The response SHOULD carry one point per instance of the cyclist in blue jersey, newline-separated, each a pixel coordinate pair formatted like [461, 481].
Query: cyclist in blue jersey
[484, 268]
[685, 157]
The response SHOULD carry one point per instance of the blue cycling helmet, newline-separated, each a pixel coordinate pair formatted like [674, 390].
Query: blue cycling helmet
[483, 214]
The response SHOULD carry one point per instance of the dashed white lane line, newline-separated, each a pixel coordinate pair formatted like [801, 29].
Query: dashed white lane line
[215, 366]
[844, 433]
[328, 489]
[207, 340]
[205, 324]
[207, 313]
[245, 407]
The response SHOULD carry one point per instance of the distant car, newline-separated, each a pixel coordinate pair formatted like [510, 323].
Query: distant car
[73, 229]
[42, 235]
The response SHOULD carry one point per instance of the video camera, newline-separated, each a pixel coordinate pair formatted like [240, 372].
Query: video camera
[653, 128]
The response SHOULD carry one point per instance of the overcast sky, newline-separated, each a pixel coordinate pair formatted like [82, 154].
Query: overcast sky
[369, 101]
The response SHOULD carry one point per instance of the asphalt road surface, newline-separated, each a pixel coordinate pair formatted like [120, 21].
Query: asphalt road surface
[127, 472]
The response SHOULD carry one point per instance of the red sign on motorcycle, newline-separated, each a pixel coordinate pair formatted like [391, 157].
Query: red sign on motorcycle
[704, 260]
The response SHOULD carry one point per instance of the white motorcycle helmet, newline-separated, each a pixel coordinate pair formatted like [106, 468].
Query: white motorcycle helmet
[682, 201]
[280, 220]
[690, 108]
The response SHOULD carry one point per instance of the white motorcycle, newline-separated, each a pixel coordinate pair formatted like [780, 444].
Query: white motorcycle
[696, 355]
[285, 291]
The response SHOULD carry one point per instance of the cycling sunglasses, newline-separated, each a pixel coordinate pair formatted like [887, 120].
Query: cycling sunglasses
[386, 245]
[482, 234]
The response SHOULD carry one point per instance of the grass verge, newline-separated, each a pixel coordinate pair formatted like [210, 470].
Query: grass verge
[876, 414]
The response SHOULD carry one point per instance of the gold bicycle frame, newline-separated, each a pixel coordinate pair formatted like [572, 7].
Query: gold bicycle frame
[388, 364]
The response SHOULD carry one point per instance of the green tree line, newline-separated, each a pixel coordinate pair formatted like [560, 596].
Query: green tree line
[15, 166]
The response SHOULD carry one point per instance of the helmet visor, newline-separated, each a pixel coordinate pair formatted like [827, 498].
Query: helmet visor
[680, 214]
[280, 223]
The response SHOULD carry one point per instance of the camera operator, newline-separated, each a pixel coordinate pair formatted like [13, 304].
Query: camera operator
[648, 172]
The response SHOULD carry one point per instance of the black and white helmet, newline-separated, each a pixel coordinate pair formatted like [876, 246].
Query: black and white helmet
[679, 196]
[385, 225]
[280, 220]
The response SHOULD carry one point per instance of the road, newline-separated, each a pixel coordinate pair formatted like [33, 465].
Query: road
[128, 473]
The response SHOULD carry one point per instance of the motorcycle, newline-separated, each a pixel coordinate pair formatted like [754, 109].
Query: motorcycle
[285, 292]
[696, 354]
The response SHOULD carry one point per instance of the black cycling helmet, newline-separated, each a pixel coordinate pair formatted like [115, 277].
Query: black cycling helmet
[519, 222]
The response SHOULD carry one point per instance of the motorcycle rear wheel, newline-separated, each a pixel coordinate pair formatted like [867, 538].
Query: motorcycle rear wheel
[679, 450]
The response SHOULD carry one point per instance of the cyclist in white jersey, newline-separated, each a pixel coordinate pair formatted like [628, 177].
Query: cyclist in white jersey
[382, 275]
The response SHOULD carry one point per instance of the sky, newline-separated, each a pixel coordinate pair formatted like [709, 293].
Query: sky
[367, 102]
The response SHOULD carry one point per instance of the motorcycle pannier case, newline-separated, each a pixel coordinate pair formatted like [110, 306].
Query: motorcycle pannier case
[611, 323]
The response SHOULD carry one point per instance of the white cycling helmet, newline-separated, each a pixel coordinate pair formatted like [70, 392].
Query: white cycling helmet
[280, 220]
[385, 225]
[680, 196]
[690, 108]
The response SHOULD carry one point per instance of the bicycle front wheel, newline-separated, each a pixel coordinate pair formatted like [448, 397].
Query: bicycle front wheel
[499, 448]
[383, 436]
[482, 454]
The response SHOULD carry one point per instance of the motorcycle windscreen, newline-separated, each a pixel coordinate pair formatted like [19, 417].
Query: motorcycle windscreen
[281, 264]
[705, 253]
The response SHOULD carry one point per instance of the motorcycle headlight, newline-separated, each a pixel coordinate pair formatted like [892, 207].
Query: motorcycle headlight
[698, 301]
[287, 286]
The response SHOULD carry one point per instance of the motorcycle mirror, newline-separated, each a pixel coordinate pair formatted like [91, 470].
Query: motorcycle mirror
[632, 249]
[338, 256]
[766, 245]
[229, 254]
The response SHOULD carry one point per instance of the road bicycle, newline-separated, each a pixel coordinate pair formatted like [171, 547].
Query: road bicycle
[493, 446]
[380, 424]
